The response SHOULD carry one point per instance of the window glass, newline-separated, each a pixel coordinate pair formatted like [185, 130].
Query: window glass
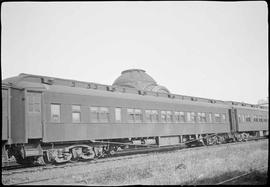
[93, 114]
[76, 113]
[138, 115]
[34, 102]
[217, 118]
[134, 115]
[210, 117]
[248, 118]
[182, 117]
[148, 115]
[55, 112]
[193, 117]
[76, 117]
[199, 114]
[118, 114]
[177, 116]
[243, 118]
[203, 117]
[255, 118]
[188, 117]
[223, 117]
[260, 119]
[169, 116]
[239, 118]
[37, 107]
[131, 115]
[103, 114]
[31, 107]
[154, 116]
[163, 116]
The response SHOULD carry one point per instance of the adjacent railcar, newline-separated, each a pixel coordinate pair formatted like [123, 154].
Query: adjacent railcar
[250, 118]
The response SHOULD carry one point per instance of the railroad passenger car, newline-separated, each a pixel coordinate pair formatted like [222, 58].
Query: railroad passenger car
[59, 119]
[250, 118]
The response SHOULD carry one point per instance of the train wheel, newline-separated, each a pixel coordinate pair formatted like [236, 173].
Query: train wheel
[65, 157]
[88, 154]
[46, 157]
[40, 160]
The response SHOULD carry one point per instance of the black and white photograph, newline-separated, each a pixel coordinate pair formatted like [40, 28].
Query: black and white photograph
[121, 93]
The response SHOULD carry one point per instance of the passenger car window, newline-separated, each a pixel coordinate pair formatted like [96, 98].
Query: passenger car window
[248, 118]
[239, 118]
[34, 102]
[255, 118]
[163, 116]
[177, 116]
[134, 115]
[169, 116]
[131, 115]
[193, 117]
[210, 117]
[103, 114]
[93, 114]
[218, 118]
[188, 117]
[76, 113]
[260, 119]
[182, 117]
[118, 115]
[138, 115]
[154, 116]
[223, 118]
[148, 115]
[99, 114]
[201, 117]
[55, 113]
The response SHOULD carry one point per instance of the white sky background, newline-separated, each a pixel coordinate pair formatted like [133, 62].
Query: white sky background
[214, 50]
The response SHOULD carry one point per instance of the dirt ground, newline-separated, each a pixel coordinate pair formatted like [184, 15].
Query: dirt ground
[210, 165]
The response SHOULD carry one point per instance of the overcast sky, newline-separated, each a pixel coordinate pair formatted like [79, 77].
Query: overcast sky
[206, 49]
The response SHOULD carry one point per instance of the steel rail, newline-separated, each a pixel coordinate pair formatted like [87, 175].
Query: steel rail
[242, 175]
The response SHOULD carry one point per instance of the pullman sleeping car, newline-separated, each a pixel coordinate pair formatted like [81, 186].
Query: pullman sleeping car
[48, 119]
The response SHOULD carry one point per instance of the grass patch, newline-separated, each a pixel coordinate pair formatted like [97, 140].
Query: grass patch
[206, 166]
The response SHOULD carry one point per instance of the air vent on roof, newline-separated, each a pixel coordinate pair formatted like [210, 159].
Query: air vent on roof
[47, 81]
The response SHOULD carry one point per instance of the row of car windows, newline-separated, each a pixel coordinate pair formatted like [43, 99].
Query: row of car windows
[252, 118]
[135, 115]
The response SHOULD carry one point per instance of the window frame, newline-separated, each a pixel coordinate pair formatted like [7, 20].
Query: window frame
[34, 102]
[76, 111]
[120, 114]
[51, 113]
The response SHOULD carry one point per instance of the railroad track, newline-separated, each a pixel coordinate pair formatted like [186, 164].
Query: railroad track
[102, 160]
[129, 154]
[125, 154]
[242, 175]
